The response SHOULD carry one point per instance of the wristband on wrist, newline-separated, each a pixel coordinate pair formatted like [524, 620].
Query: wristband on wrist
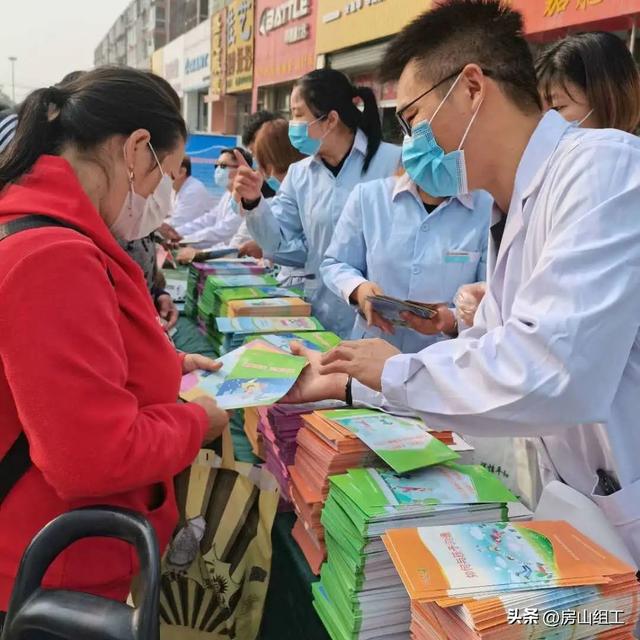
[348, 396]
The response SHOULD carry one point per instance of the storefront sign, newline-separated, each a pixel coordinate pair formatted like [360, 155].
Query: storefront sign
[239, 42]
[550, 15]
[346, 23]
[197, 66]
[284, 48]
[283, 14]
[218, 55]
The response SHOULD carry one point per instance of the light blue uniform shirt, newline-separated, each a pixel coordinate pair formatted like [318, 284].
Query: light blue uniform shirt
[386, 236]
[304, 214]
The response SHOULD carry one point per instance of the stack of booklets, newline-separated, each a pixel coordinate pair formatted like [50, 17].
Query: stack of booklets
[269, 307]
[279, 436]
[315, 340]
[199, 271]
[333, 441]
[256, 374]
[360, 594]
[538, 579]
[215, 300]
[231, 333]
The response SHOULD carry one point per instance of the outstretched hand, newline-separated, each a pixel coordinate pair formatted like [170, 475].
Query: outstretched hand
[312, 386]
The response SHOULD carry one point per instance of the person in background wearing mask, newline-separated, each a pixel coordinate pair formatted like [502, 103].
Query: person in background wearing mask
[89, 379]
[590, 79]
[555, 348]
[344, 148]
[395, 239]
[243, 239]
[191, 199]
[275, 154]
[220, 224]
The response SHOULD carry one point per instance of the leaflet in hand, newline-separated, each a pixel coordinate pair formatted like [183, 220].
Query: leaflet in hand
[390, 309]
[403, 443]
[253, 375]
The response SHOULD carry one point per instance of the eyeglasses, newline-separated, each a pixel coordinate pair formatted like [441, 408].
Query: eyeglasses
[404, 125]
[224, 165]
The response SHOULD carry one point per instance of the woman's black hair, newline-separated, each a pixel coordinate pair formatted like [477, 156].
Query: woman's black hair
[326, 90]
[89, 109]
[245, 154]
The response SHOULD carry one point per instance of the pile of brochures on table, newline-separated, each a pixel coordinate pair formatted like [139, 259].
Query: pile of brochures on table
[538, 579]
[360, 594]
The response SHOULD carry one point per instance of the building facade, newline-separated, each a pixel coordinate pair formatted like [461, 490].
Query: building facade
[250, 52]
[352, 36]
[284, 50]
[135, 35]
[231, 78]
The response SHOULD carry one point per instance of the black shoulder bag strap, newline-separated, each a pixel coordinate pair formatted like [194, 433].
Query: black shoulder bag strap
[16, 461]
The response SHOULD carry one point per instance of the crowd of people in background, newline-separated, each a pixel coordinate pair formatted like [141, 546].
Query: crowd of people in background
[523, 174]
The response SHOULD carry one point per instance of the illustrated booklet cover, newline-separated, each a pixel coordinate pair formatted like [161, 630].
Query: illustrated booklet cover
[256, 374]
[403, 443]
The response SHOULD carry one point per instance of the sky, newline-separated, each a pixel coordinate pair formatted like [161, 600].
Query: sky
[50, 38]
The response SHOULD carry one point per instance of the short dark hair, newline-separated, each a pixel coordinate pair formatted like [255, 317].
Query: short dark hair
[602, 66]
[254, 122]
[186, 163]
[326, 90]
[70, 77]
[245, 154]
[455, 33]
[87, 111]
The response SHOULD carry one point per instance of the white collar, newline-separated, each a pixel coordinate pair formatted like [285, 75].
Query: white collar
[405, 183]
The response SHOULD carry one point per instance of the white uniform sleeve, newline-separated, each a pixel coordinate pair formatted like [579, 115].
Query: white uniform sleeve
[222, 231]
[205, 221]
[558, 359]
[276, 225]
[345, 263]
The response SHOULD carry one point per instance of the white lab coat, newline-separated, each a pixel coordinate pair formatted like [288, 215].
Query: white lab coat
[190, 202]
[215, 228]
[555, 350]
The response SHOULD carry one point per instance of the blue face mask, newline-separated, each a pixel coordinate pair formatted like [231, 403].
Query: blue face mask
[438, 173]
[299, 137]
[221, 177]
[274, 183]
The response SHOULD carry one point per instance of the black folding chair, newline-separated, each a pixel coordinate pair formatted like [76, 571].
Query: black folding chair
[72, 615]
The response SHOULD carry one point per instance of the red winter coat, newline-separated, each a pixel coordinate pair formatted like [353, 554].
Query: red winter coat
[88, 374]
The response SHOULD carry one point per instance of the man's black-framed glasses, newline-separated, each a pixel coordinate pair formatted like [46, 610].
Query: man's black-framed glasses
[404, 125]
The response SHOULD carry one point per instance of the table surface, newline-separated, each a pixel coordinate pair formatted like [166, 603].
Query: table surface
[289, 614]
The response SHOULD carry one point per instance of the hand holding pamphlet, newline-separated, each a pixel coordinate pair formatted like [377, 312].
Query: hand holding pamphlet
[390, 308]
[256, 374]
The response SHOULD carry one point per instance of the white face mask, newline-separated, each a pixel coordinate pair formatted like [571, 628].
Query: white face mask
[141, 216]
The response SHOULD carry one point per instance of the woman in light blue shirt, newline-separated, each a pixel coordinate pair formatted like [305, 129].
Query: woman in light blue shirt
[395, 240]
[344, 147]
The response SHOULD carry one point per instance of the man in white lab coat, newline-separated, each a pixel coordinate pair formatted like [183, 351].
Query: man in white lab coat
[191, 198]
[555, 350]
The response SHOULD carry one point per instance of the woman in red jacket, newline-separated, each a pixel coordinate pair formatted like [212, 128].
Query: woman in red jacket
[87, 373]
